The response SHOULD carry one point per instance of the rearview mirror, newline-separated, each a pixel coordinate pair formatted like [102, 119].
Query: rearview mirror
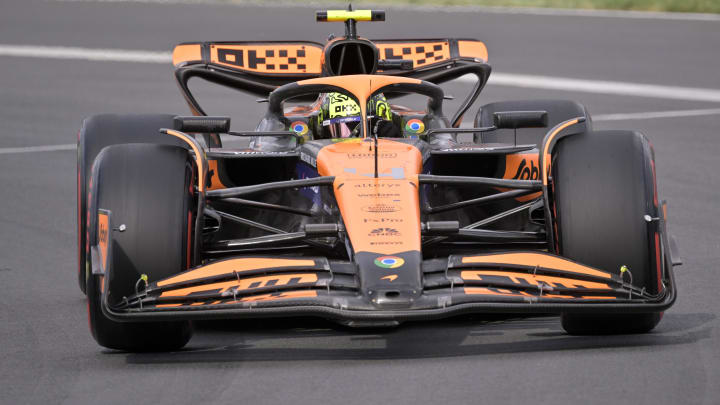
[520, 119]
[202, 124]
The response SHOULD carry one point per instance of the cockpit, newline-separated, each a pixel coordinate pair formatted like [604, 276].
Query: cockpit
[350, 106]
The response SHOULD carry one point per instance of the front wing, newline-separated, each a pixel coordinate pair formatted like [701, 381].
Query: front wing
[502, 282]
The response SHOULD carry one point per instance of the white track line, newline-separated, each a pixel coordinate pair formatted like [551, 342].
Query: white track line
[44, 148]
[71, 52]
[656, 114]
[604, 87]
[643, 15]
[497, 79]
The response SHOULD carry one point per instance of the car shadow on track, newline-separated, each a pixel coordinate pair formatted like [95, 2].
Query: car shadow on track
[303, 340]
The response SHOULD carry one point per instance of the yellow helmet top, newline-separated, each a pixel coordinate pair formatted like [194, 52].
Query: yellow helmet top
[338, 110]
[340, 105]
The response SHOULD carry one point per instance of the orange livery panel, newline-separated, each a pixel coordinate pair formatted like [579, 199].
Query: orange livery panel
[245, 285]
[187, 53]
[428, 52]
[291, 58]
[531, 259]
[237, 265]
[382, 215]
[522, 166]
[472, 49]
[420, 53]
[531, 279]
[284, 58]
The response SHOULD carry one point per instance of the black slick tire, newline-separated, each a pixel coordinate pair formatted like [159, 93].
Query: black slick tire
[96, 133]
[603, 184]
[146, 188]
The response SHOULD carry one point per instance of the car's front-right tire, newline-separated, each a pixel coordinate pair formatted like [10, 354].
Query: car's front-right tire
[96, 133]
[148, 191]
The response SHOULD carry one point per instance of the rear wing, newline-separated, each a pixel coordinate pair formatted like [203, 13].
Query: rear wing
[303, 59]
[260, 67]
[297, 60]
[429, 52]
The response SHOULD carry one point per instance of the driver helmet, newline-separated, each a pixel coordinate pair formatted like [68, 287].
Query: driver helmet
[340, 115]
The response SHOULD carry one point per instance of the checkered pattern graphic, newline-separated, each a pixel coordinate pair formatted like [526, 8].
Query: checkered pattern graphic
[420, 53]
[268, 59]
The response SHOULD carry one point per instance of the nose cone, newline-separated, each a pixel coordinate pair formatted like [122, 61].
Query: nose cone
[381, 216]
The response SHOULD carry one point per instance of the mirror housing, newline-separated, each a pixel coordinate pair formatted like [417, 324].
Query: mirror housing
[520, 119]
[202, 124]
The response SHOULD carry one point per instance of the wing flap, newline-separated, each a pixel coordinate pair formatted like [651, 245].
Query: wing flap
[301, 59]
[429, 52]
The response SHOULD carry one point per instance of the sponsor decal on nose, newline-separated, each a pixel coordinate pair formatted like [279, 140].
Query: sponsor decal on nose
[389, 262]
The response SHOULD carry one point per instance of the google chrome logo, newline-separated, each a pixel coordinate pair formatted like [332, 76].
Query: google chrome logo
[389, 262]
[415, 126]
[299, 127]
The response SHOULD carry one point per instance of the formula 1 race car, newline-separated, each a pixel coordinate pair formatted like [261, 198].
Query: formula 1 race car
[348, 207]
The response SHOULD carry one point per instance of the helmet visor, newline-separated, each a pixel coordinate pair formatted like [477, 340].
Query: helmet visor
[343, 127]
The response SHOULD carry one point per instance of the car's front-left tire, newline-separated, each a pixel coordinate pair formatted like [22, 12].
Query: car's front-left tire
[603, 188]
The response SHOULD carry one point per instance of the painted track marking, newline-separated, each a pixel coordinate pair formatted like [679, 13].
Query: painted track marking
[43, 148]
[656, 114]
[72, 52]
[602, 87]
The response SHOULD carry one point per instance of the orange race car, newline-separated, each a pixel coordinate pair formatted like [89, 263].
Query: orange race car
[345, 206]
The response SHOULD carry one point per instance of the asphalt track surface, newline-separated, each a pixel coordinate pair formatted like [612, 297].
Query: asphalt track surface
[48, 356]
